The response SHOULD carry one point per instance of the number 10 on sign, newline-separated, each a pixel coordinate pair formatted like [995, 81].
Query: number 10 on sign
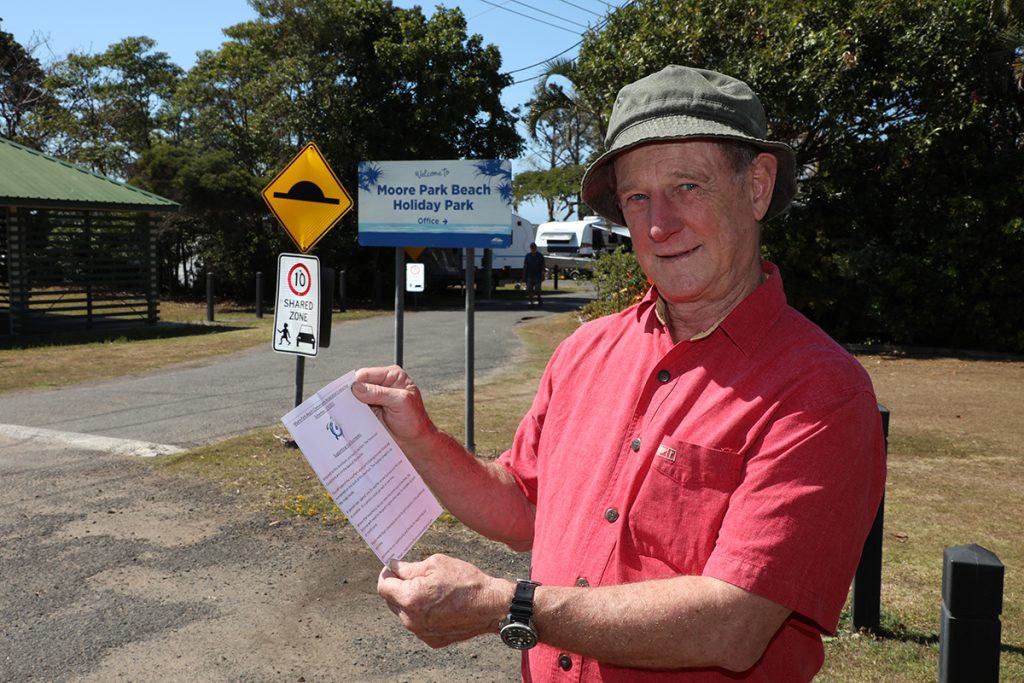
[297, 313]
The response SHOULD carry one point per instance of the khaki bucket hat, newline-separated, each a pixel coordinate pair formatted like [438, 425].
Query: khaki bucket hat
[679, 103]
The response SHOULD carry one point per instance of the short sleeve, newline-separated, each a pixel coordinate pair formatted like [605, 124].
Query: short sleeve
[810, 490]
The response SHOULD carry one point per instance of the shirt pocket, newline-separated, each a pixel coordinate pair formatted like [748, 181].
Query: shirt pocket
[680, 505]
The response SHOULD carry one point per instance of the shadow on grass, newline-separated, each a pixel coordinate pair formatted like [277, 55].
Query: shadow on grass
[136, 332]
[893, 629]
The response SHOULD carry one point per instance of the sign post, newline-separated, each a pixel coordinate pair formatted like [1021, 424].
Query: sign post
[297, 312]
[308, 200]
[460, 203]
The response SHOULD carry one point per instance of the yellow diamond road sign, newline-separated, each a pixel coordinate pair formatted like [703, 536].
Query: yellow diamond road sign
[307, 198]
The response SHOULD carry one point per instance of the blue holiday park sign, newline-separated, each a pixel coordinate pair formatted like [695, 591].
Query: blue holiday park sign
[460, 203]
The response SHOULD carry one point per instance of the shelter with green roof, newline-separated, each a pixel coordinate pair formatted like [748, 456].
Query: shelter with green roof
[77, 249]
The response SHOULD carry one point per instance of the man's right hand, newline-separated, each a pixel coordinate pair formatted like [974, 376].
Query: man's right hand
[396, 400]
[479, 492]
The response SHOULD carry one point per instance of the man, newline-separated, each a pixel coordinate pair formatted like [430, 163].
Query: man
[533, 273]
[697, 474]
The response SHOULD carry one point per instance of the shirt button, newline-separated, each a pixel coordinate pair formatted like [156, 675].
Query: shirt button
[664, 376]
[564, 662]
[635, 445]
[582, 582]
[611, 514]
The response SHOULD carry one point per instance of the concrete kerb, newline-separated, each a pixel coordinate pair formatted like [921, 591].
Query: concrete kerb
[90, 442]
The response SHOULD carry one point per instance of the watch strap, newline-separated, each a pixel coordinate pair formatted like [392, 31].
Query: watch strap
[521, 608]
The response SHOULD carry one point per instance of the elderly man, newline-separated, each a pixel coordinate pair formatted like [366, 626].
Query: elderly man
[697, 473]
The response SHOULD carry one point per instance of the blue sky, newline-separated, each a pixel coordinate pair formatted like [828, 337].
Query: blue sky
[527, 32]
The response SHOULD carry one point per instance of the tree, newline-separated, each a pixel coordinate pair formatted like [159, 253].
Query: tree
[564, 131]
[362, 79]
[107, 109]
[21, 88]
[558, 187]
[908, 122]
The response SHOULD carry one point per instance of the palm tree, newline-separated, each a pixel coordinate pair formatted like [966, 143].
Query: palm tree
[564, 129]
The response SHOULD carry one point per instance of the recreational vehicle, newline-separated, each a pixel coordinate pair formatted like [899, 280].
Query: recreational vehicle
[571, 246]
[585, 238]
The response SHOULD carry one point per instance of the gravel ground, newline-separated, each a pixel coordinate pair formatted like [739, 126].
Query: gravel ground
[111, 572]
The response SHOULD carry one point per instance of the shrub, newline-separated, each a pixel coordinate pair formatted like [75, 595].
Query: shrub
[620, 283]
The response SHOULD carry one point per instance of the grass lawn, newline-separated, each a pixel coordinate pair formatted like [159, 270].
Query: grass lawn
[183, 334]
[956, 469]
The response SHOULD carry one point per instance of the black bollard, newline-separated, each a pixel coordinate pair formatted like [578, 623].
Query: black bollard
[209, 296]
[554, 277]
[866, 597]
[341, 291]
[259, 294]
[969, 630]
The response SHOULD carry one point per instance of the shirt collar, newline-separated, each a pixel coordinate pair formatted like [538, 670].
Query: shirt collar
[745, 324]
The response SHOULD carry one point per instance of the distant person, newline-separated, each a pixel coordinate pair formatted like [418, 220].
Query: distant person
[533, 272]
[697, 473]
[285, 336]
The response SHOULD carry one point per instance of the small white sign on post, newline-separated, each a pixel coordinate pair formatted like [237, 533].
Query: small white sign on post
[297, 313]
[415, 278]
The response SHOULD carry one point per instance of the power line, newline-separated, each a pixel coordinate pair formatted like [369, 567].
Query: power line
[515, 71]
[548, 23]
[537, 9]
[574, 45]
[585, 9]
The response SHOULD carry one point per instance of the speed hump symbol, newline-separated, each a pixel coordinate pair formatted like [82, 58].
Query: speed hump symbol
[307, 198]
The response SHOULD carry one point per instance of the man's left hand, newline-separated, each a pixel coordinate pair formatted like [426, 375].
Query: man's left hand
[443, 600]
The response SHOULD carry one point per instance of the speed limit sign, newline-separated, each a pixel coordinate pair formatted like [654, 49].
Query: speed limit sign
[415, 279]
[297, 313]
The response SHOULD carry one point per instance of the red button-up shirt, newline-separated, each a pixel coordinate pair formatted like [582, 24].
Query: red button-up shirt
[753, 455]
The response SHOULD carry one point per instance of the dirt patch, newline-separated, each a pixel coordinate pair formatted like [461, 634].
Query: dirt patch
[113, 572]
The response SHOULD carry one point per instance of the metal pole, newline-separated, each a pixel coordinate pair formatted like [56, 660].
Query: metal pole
[399, 304]
[470, 301]
[300, 372]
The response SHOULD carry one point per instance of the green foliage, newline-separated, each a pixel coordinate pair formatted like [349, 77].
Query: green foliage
[620, 283]
[21, 89]
[364, 80]
[556, 186]
[106, 109]
[908, 121]
[564, 133]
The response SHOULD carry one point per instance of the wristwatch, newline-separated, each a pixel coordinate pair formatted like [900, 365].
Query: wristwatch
[517, 629]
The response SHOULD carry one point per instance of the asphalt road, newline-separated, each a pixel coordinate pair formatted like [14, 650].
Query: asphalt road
[192, 404]
[112, 572]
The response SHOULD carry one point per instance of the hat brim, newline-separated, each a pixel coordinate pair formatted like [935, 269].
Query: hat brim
[597, 185]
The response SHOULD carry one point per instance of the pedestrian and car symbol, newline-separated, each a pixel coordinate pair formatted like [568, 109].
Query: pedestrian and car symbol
[297, 312]
[307, 198]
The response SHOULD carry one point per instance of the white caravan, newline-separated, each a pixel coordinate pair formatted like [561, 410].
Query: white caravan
[581, 239]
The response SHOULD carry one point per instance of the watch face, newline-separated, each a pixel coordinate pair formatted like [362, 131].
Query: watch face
[518, 636]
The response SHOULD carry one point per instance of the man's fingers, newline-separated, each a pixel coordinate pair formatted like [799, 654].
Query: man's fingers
[385, 376]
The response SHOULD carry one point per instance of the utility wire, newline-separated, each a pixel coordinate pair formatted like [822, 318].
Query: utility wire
[537, 9]
[548, 23]
[573, 46]
[585, 9]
